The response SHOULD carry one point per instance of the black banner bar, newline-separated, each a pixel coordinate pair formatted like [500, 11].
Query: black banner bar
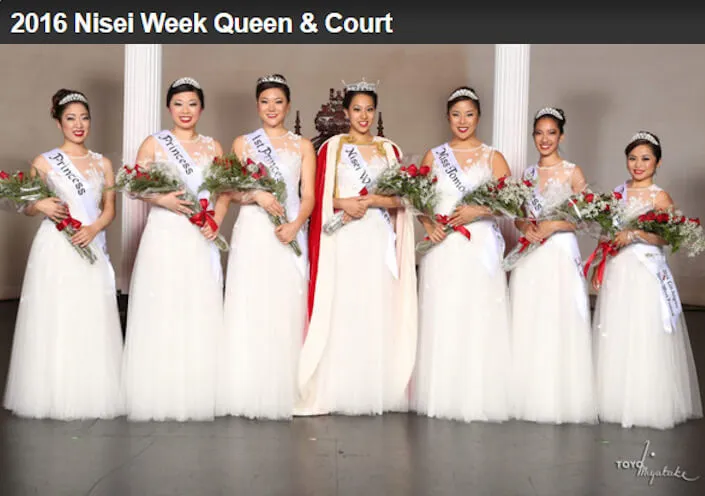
[26, 21]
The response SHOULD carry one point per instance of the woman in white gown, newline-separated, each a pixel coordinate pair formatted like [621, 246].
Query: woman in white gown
[175, 305]
[553, 378]
[462, 368]
[266, 286]
[359, 349]
[645, 369]
[67, 347]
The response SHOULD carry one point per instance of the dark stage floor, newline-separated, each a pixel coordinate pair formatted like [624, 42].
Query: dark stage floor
[390, 455]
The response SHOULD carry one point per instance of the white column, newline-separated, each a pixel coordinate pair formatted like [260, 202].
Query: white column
[511, 107]
[142, 117]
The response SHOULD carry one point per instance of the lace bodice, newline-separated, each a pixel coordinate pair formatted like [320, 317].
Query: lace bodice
[288, 149]
[476, 165]
[347, 182]
[91, 168]
[637, 201]
[201, 150]
[553, 184]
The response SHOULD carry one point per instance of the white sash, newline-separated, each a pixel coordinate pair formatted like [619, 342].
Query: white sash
[536, 201]
[445, 158]
[267, 154]
[353, 159]
[61, 164]
[655, 261]
[192, 177]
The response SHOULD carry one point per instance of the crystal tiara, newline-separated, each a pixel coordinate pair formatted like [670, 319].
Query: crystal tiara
[73, 97]
[272, 79]
[463, 92]
[549, 111]
[186, 80]
[645, 136]
[361, 86]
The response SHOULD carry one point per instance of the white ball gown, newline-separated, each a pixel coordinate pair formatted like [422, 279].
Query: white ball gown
[265, 305]
[463, 360]
[553, 379]
[175, 313]
[358, 353]
[646, 374]
[67, 348]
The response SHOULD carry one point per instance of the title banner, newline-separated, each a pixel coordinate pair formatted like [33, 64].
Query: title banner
[26, 21]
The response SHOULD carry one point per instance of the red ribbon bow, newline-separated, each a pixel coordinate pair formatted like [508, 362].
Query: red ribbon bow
[444, 220]
[607, 248]
[204, 216]
[68, 221]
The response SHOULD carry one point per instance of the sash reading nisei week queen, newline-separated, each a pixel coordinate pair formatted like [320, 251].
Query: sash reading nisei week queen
[654, 260]
[192, 177]
[267, 154]
[352, 158]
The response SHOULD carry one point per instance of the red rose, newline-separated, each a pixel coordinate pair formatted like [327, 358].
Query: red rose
[642, 218]
[413, 171]
[435, 179]
[617, 195]
[20, 176]
[650, 216]
[4, 175]
[364, 192]
[589, 197]
[403, 169]
[250, 161]
[528, 183]
[695, 220]
[680, 220]
[662, 218]
[424, 170]
[607, 208]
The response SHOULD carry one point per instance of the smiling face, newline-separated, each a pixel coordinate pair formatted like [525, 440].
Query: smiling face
[75, 123]
[361, 113]
[547, 136]
[642, 163]
[463, 118]
[272, 107]
[185, 109]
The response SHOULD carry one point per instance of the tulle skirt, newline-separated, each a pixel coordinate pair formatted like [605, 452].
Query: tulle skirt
[355, 374]
[463, 360]
[174, 323]
[645, 375]
[67, 347]
[553, 379]
[265, 315]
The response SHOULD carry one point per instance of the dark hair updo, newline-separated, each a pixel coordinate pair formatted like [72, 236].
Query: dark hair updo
[184, 85]
[360, 88]
[63, 98]
[463, 93]
[645, 138]
[556, 114]
[273, 81]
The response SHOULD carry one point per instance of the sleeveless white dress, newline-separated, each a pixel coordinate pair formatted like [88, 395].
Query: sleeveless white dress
[646, 374]
[354, 375]
[175, 314]
[464, 349]
[553, 379]
[67, 347]
[265, 309]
